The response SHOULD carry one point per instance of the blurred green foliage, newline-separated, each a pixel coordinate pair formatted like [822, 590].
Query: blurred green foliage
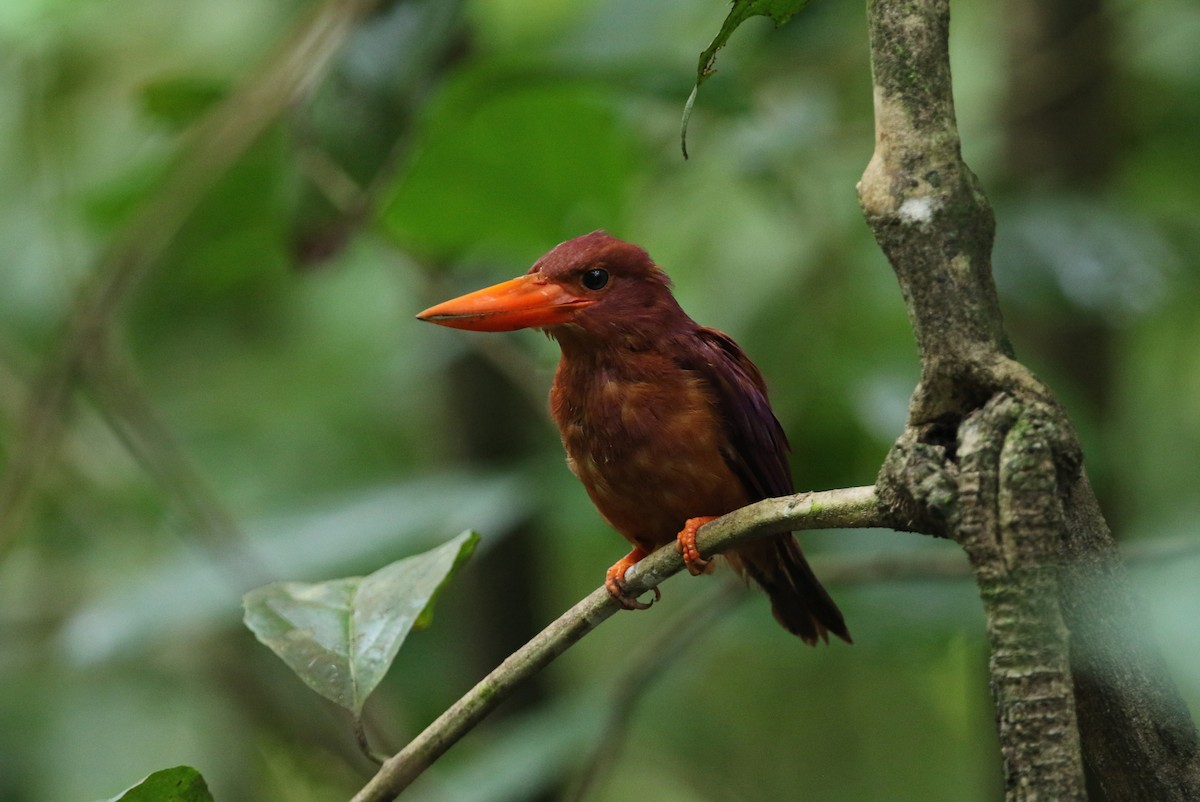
[451, 144]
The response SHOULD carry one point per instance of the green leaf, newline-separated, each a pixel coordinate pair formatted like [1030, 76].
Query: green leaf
[779, 11]
[505, 167]
[180, 784]
[181, 100]
[189, 590]
[342, 635]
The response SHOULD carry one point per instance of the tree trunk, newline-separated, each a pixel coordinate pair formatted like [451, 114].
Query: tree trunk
[990, 459]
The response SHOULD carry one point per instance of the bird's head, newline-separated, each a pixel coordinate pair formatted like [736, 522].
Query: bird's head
[593, 287]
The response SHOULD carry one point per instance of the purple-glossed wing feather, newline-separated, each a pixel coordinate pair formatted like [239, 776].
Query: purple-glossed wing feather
[757, 446]
[757, 453]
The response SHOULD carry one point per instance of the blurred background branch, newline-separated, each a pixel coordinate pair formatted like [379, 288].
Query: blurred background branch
[215, 146]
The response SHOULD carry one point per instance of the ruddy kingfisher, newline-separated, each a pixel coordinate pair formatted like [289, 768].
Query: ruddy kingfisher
[665, 422]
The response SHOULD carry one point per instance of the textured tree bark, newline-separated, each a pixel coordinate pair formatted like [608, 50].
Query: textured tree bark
[990, 459]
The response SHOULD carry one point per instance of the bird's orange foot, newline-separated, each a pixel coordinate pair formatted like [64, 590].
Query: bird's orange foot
[614, 582]
[696, 564]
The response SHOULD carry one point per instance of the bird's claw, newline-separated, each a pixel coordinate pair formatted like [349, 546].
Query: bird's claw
[616, 589]
[686, 542]
[614, 582]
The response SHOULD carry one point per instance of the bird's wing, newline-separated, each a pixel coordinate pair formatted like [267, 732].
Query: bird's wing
[756, 446]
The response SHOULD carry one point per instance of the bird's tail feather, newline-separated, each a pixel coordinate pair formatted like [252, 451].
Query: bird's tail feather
[800, 604]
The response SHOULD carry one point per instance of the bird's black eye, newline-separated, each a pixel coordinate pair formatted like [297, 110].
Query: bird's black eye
[595, 279]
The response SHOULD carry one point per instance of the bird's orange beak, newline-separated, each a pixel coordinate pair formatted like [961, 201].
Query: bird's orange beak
[528, 302]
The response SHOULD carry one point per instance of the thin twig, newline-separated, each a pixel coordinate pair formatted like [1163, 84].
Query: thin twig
[126, 406]
[849, 508]
[950, 563]
[364, 743]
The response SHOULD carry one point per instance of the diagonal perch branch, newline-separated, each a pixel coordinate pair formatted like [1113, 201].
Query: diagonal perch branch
[849, 508]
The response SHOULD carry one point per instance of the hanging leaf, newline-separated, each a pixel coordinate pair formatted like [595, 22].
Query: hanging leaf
[180, 784]
[342, 635]
[780, 11]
